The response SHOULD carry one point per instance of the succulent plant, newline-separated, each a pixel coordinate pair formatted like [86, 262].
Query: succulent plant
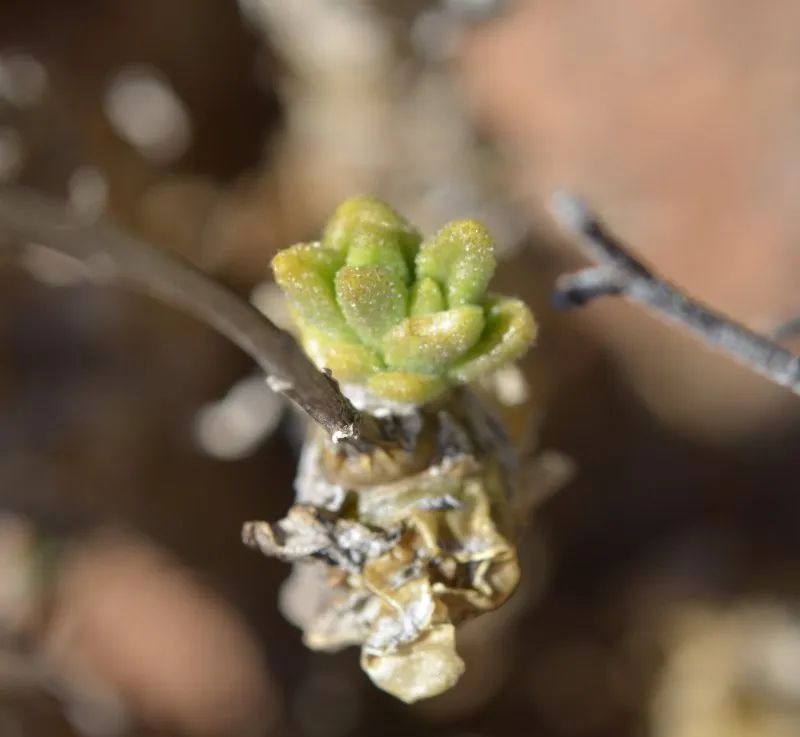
[405, 318]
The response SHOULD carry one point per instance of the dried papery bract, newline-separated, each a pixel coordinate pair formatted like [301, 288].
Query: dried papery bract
[404, 560]
[396, 546]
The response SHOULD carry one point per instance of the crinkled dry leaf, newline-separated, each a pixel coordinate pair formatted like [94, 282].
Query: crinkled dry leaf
[407, 559]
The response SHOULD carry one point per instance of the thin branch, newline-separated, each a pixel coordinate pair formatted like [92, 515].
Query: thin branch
[110, 254]
[787, 330]
[619, 272]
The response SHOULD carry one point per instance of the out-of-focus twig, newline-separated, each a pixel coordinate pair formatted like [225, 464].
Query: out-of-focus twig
[787, 330]
[619, 272]
[111, 254]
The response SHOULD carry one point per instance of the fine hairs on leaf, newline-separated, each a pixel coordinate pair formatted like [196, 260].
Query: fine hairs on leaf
[403, 317]
[618, 272]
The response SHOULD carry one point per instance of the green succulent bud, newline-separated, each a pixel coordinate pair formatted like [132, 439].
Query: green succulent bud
[405, 318]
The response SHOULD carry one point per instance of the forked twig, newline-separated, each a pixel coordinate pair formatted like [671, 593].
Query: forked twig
[619, 272]
[110, 254]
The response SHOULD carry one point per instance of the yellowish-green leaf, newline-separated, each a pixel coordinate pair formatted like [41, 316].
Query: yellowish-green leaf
[401, 386]
[461, 258]
[378, 245]
[430, 343]
[347, 361]
[353, 214]
[426, 297]
[373, 299]
[510, 331]
[305, 272]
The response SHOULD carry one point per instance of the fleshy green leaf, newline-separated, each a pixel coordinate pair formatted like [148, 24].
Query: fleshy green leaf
[430, 343]
[401, 386]
[347, 361]
[354, 214]
[461, 258]
[306, 272]
[406, 320]
[377, 245]
[426, 297]
[510, 330]
[372, 298]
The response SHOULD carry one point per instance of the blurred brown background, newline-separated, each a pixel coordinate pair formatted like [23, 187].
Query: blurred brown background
[661, 585]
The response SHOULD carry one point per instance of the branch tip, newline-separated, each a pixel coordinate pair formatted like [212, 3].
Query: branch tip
[618, 271]
[571, 211]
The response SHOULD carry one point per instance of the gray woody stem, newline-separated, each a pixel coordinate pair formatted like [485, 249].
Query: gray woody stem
[110, 254]
[618, 272]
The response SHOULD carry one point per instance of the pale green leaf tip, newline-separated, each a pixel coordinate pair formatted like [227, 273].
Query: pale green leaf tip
[431, 343]
[510, 332]
[372, 298]
[426, 297]
[461, 258]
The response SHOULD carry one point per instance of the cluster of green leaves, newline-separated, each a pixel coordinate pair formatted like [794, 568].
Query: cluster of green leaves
[408, 319]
